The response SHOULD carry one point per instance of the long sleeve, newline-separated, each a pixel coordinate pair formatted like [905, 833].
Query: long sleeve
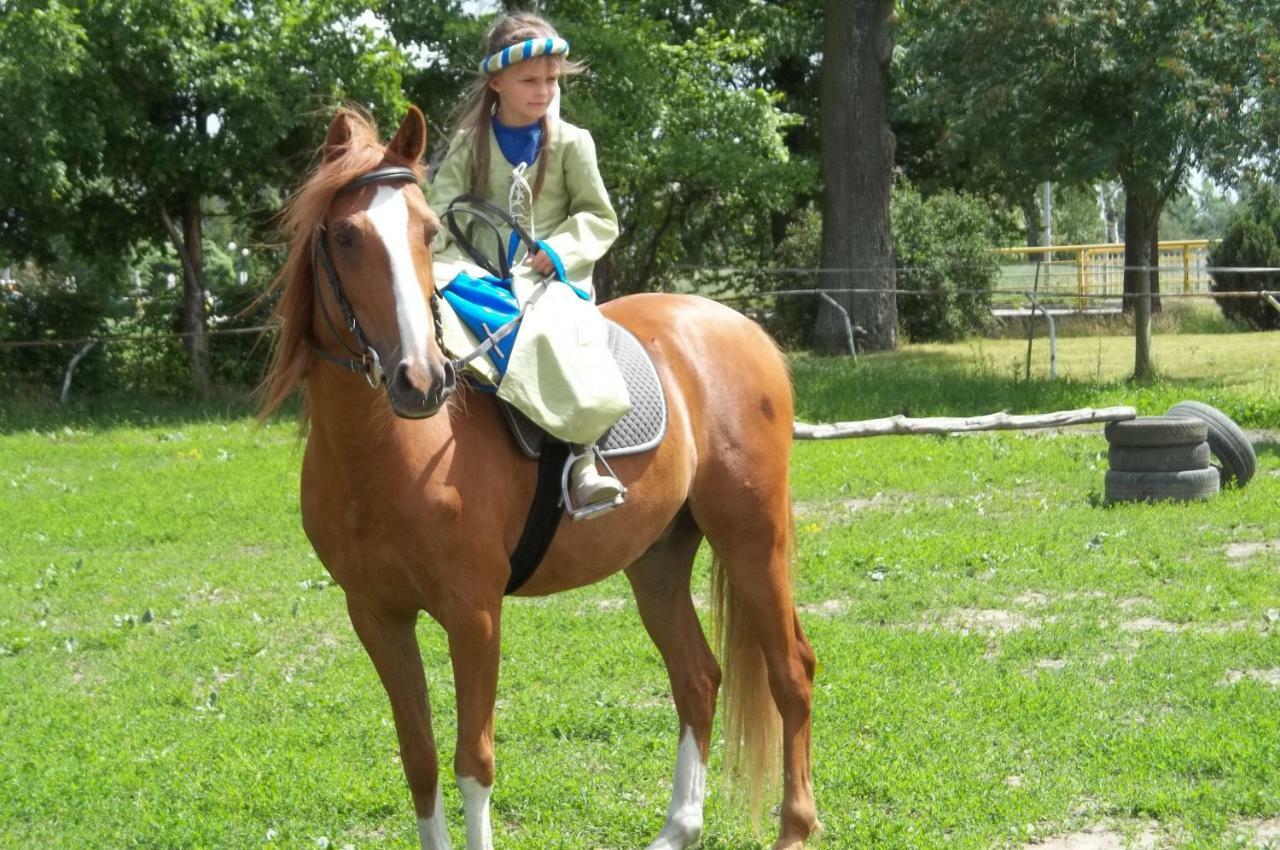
[592, 225]
[452, 179]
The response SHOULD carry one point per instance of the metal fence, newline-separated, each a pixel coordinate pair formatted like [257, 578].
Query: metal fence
[1097, 270]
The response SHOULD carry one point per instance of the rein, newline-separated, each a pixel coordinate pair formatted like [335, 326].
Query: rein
[364, 358]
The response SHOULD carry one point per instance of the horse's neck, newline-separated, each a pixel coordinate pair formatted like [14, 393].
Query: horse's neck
[356, 421]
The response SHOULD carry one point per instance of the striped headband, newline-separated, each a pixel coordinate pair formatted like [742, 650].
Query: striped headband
[524, 50]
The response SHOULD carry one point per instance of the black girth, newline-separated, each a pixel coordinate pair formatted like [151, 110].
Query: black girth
[544, 517]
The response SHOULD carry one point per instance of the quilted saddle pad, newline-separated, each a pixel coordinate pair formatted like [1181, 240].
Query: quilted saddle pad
[639, 431]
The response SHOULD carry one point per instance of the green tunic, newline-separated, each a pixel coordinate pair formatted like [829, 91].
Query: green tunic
[560, 373]
[572, 213]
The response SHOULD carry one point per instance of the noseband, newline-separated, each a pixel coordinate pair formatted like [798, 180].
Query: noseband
[366, 361]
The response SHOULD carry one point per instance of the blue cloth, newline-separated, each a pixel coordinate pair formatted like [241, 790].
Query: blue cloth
[519, 144]
[484, 305]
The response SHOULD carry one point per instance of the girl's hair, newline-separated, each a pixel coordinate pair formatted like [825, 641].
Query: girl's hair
[480, 102]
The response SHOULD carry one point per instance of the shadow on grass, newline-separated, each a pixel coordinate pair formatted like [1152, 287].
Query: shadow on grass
[956, 383]
[42, 412]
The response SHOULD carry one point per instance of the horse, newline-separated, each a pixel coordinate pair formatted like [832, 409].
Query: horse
[414, 496]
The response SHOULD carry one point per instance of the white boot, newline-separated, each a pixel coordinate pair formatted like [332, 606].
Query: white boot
[591, 490]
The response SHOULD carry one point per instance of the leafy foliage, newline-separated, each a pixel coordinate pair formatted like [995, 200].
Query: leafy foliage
[944, 245]
[1252, 240]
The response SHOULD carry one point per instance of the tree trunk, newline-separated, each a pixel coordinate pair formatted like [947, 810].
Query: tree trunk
[857, 168]
[195, 321]
[1141, 212]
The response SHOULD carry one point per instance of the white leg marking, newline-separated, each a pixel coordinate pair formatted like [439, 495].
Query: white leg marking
[389, 214]
[684, 815]
[475, 802]
[432, 832]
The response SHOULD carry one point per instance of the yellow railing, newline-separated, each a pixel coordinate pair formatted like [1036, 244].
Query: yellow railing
[1092, 270]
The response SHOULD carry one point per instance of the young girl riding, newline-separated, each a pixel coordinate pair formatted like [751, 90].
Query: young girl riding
[510, 147]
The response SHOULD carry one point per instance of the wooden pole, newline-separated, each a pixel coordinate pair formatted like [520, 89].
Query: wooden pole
[954, 424]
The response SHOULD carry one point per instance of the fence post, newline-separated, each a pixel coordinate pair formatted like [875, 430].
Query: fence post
[1186, 269]
[1080, 285]
[848, 325]
[71, 368]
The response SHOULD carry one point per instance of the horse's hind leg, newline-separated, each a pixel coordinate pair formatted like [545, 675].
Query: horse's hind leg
[392, 645]
[750, 534]
[660, 580]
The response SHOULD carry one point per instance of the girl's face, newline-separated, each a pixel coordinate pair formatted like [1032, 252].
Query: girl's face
[526, 89]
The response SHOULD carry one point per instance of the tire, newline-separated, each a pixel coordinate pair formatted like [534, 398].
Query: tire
[1188, 486]
[1227, 442]
[1159, 458]
[1148, 431]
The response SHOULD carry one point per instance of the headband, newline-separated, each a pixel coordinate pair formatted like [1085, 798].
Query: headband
[524, 50]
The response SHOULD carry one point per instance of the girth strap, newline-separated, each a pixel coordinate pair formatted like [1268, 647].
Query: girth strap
[544, 516]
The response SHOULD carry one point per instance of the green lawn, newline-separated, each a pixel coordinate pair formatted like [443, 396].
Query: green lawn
[1001, 658]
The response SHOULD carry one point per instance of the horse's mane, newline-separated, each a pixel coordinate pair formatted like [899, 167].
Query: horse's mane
[293, 352]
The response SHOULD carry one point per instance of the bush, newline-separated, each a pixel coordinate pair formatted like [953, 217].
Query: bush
[1252, 240]
[945, 247]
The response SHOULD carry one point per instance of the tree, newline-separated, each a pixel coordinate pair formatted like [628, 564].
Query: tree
[857, 173]
[1079, 90]
[152, 108]
[690, 143]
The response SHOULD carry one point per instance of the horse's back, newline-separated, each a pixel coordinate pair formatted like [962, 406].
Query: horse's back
[723, 370]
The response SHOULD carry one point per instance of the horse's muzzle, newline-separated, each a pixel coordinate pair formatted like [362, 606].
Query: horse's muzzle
[418, 389]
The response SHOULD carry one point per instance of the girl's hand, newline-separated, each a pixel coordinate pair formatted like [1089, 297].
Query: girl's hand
[540, 263]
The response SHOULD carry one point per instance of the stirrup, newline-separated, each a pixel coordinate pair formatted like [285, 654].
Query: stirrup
[576, 511]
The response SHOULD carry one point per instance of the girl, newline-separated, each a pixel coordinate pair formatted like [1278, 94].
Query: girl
[510, 148]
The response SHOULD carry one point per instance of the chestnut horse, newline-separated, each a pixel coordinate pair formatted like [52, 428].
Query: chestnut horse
[415, 501]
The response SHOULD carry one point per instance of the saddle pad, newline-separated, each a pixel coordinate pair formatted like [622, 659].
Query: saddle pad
[639, 431]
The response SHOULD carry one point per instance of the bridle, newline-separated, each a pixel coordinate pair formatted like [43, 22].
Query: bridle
[364, 358]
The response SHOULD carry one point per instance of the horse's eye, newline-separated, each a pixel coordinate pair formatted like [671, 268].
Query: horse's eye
[345, 236]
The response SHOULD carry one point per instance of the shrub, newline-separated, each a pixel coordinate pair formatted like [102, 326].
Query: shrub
[1252, 240]
[945, 248]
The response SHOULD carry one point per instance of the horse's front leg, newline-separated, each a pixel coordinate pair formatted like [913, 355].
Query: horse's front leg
[474, 648]
[392, 644]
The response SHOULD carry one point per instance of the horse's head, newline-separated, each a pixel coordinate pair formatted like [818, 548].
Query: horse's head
[373, 271]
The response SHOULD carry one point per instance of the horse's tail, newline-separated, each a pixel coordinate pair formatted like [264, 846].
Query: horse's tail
[752, 725]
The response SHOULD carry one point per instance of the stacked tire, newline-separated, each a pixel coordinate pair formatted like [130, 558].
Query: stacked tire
[1168, 457]
[1159, 458]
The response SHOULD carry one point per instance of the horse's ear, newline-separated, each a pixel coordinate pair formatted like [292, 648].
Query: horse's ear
[411, 139]
[339, 135]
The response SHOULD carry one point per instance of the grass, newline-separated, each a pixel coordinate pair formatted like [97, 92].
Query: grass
[1001, 658]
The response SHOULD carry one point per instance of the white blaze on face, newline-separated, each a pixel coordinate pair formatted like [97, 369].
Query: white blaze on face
[475, 804]
[433, 834]
[684, 815]
[389, 214]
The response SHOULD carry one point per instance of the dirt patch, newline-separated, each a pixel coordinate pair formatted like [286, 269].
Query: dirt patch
[1250, 548]
[1051, 663]
[1155, 624]
[1150, 624]
[1260, 832]
[1098, 838]
[836, 507]
[827, 608]
[1133, 602]
[986, 621]
[1269, 677]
